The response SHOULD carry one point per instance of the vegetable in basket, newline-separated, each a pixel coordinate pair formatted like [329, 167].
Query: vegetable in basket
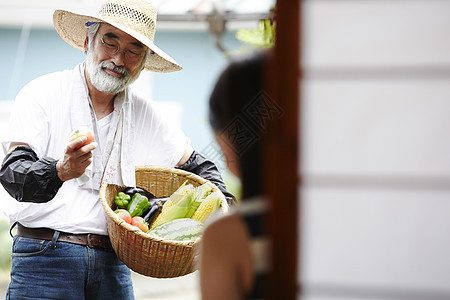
[200, 194]
[177, 206]
[138, 205]
[183, 229]
[122, 200]
[207, 207]
[140, 223]
[155, 209]
[123, 214]
[131, 190]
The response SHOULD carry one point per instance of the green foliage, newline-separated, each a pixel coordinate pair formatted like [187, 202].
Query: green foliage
[5, 246]
[261, 37]
[233, 183]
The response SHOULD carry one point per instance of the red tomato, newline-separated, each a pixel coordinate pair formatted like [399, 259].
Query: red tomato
[82, 131]
[140, 223]
[124, 214]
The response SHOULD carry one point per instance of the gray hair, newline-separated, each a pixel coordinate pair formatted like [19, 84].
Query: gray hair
[91, 30]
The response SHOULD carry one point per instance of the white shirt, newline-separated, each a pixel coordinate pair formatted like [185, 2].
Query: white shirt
[103, 130]
[41, 118]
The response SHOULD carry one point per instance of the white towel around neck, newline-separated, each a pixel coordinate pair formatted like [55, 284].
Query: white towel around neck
[115, 164]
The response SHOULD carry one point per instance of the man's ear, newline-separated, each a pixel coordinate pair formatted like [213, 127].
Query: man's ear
[86, 42]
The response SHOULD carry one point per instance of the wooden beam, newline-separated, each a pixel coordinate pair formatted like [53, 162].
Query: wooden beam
[281, 152]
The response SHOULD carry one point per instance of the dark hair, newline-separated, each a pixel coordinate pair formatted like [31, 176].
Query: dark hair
[234, 111]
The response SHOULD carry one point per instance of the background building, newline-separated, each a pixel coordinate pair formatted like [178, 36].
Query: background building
[374, 144]
[30, 47]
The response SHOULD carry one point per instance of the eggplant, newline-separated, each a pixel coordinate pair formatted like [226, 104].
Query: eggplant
[133, 190]
[157, 201]
[151, 214]
[161, 201]
[156, 205]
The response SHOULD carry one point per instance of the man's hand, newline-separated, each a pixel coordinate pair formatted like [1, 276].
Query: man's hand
[75, 162]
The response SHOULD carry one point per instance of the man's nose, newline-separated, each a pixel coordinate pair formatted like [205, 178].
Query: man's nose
[118, 58]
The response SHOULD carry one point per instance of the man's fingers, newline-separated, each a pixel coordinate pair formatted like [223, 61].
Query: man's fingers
[84, 149]
[86, 161]
[89, 147]
[76, 143]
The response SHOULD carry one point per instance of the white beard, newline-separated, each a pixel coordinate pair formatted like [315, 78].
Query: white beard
[104, 82]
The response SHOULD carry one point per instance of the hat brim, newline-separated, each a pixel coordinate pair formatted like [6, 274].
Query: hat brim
[72, 29]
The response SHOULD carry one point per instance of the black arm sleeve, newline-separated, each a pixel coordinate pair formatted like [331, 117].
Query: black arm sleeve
[28, 178]
[205, 168]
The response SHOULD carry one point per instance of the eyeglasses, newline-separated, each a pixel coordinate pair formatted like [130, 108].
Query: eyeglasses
[112, 48]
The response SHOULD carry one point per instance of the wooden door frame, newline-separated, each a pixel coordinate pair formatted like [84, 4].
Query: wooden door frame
[281, 152]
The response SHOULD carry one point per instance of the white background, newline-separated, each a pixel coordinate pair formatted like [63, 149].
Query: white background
[375, 213]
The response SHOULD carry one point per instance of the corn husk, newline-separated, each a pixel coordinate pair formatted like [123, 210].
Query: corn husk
[177, 206]
[201, 193]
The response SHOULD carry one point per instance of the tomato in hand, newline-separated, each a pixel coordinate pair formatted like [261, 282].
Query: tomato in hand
[82, 131]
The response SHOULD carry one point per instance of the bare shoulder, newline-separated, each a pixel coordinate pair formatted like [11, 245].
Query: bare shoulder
[225, 247]
[225, 233]
[224, 224]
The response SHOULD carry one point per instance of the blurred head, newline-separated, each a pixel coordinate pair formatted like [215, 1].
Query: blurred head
[233, 103]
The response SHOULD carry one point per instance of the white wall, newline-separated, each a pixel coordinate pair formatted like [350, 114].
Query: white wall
[375, 213]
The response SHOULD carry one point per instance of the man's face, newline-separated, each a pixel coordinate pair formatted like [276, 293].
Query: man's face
[111, 72]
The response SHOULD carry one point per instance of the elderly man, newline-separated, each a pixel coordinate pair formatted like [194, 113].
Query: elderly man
[61, 250]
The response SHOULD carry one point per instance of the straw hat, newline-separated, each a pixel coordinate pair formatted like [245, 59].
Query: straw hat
[134, 17]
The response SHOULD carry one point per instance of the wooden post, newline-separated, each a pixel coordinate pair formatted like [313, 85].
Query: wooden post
[281, 152]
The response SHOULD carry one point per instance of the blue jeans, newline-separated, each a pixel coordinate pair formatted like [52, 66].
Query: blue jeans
[58, 270]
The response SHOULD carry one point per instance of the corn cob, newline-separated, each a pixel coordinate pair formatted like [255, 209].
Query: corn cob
[201, 193]
[169, 209]
[207, 207]
[178, 195]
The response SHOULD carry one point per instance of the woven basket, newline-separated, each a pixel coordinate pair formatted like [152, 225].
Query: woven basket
[144, 254]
